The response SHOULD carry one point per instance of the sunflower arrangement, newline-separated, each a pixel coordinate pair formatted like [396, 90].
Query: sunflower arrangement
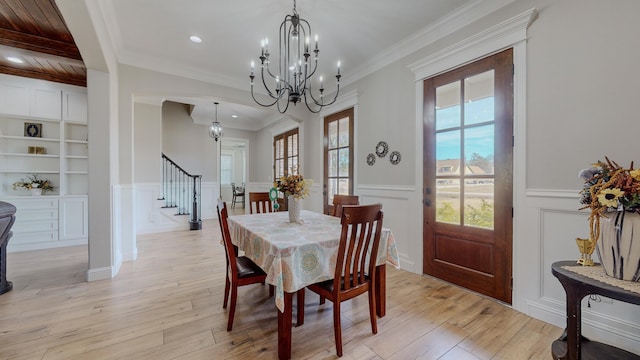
[609, 187]
[293, 185]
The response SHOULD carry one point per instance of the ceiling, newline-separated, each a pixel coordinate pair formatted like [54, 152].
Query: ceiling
[363, 35]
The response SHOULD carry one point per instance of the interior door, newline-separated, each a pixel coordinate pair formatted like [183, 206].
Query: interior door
[338, 157]
[467, 198]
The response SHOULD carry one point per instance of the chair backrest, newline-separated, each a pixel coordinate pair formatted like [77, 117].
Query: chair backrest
[340, 200]
[262, 202]
[359, 241]
[230, 250]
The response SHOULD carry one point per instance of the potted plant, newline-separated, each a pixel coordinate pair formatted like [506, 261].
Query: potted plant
[612, 193]
[34, 184]
[295, 188]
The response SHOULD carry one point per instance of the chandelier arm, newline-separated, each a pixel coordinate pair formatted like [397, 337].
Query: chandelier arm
[264, 83]
[321, 104]
[261, 104]
[285, 108]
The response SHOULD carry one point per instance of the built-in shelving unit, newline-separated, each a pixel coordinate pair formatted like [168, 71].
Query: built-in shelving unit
[57, 151]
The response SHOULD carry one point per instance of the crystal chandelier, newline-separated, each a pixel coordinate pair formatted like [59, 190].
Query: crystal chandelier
[292, 83]
[215, 129]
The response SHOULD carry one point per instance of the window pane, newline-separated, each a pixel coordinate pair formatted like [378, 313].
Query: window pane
[479, 150]
[478, 203]
[333, 189]
[343, 186]
[279, 148]
[344, 162]
[279, 168]
[292, 145]
[293, 165]
[448, 201]
[333, 163]
[479, 98]
[333, 135]
[344, 132]
[226, 171]
[448, 106]
[448, 146]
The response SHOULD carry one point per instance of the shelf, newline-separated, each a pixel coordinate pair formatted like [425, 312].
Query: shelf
[76, 141]
[29, 172]
[31, 155]
[76, 172]
[27, 138]
[81, 157]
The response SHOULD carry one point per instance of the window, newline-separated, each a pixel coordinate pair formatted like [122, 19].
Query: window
[285, 153]
[226, 168]
[338, 156]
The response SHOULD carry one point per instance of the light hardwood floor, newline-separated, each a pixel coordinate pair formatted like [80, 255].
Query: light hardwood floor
[168, 305]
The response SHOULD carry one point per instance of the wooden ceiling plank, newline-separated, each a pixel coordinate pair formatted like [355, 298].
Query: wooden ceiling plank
[65, 79]
[36, 54]
[39, 44]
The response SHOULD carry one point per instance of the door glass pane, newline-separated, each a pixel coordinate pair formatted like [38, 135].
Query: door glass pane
[479, 150]
[448, 201]
[279, 168]
[478, 203]
[333, 163]
[448, 106]
[343, 186]
[344, 132]
[279, 148]
[344, 162]
[448, 149]
[292, 145]
[333, 135]
[333, 189]
[479, 98]
[293, 165]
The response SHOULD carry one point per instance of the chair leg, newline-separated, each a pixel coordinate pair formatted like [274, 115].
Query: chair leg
[372, 311]
[337, 328]
[227, 285]
[232, 307]
[272, 290]
[322, 300]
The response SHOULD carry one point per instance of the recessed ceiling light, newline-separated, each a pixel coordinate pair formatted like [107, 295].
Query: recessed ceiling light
[196, 39]
[234, 116]
[15, 60]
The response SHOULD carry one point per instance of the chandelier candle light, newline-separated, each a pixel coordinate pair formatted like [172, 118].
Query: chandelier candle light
[293, 81]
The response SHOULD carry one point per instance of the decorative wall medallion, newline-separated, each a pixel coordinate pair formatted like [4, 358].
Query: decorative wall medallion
[382, 149]
[395, 157]
[32, 129]
[371, 159]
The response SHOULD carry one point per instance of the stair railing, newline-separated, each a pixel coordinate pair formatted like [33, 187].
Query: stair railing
[182, 191]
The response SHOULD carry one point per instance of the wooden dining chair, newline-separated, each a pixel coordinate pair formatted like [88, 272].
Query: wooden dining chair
[354, 272]
[240, 269]
[261, 201]
[340, 200]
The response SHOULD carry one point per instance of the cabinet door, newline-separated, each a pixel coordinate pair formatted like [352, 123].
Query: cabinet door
[75, 107]
[46, 104]
[73, 218]
[14, 99]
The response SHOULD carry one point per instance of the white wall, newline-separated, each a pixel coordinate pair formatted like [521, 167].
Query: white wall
[147, 141]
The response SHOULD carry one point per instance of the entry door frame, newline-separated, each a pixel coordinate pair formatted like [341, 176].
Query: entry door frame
[511, 33]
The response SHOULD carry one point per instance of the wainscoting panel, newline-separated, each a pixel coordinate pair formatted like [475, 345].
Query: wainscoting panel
[546, 226]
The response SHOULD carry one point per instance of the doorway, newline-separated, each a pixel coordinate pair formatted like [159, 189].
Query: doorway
[467, 197]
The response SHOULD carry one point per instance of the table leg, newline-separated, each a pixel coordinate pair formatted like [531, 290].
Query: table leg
[381, 290]
[284, 327]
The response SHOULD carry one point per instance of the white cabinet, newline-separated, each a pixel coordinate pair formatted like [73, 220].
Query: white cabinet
[57, 151]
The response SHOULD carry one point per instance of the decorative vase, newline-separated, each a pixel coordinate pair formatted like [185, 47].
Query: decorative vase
[619, 245]
[36, 191]
[294, 205]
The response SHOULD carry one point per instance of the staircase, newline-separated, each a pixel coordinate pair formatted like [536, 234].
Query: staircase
[181, 191]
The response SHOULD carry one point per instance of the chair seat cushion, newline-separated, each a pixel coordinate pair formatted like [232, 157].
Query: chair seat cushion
[247, 268]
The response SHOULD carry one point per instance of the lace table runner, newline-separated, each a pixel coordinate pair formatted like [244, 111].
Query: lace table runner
[597, 273]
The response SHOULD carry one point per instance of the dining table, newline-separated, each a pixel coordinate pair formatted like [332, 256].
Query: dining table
[297, 254]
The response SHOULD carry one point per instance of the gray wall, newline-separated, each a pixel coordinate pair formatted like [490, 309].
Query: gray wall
[147, 127]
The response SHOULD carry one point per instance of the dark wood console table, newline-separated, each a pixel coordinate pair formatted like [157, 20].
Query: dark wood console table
[571, 345]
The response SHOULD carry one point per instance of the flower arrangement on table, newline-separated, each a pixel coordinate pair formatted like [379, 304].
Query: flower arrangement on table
[293, 185]
[608, 187]
[33, 182]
